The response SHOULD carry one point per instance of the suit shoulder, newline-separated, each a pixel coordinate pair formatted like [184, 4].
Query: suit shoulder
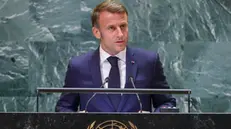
[80, 59]
[145, 53]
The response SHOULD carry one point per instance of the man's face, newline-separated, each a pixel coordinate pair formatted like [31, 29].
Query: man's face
[112, 31]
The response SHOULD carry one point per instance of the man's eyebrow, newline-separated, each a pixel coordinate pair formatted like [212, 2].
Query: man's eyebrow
[124, 23]
[110, 25]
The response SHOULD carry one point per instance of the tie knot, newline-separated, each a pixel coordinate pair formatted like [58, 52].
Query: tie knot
[113, 60]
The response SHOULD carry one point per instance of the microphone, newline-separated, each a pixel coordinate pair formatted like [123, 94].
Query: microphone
[138, 97]
[105, 81]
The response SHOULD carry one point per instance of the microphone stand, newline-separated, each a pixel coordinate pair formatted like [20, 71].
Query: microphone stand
[105, 81]
[138, 97]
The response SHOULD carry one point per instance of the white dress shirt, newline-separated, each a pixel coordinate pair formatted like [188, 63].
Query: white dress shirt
[105, 66]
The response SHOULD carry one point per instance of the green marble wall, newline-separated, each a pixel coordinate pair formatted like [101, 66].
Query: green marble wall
[38, 37]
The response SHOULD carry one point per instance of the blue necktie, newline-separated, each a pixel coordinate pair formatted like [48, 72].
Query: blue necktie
[114, 80]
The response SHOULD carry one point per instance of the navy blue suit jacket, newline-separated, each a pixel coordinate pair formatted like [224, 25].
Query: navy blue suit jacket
[84, 71]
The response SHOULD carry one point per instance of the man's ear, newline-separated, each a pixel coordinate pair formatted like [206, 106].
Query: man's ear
[96, 32]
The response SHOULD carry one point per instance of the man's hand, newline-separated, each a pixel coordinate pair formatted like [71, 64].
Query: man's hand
[143, 112]
[82, 111]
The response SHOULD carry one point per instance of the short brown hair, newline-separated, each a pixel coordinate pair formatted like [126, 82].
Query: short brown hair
[112, 6]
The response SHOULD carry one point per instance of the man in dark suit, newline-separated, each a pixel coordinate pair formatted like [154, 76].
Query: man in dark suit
[114, 59]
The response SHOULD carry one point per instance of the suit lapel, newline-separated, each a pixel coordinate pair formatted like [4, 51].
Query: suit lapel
[131, 71]
[131, 67]
[94, 66]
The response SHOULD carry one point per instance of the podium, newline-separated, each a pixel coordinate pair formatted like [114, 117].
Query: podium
[114, 121]
[114, 91]
[167, 120]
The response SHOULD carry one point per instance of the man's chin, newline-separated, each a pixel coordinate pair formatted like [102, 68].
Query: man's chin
[119, 49]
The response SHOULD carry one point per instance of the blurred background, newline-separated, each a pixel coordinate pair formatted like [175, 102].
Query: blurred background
[38, 37]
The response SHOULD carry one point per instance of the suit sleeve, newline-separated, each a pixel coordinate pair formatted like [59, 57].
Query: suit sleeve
[159, 82]
[69, 102]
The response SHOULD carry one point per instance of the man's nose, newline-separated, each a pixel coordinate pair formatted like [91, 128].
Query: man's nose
[119, 32]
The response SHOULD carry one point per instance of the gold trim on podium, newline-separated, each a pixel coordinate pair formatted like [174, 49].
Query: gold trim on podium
[112, 124]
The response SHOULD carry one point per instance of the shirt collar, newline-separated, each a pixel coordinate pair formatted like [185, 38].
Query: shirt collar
[104, 55]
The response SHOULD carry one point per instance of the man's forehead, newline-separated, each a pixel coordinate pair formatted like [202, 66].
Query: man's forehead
[111, 14]
[116, 23]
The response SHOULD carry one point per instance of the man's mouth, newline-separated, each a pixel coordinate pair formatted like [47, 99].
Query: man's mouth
[119, 41]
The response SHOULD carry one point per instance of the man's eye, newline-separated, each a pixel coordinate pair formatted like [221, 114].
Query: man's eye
[111, 28]
[122, 26]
